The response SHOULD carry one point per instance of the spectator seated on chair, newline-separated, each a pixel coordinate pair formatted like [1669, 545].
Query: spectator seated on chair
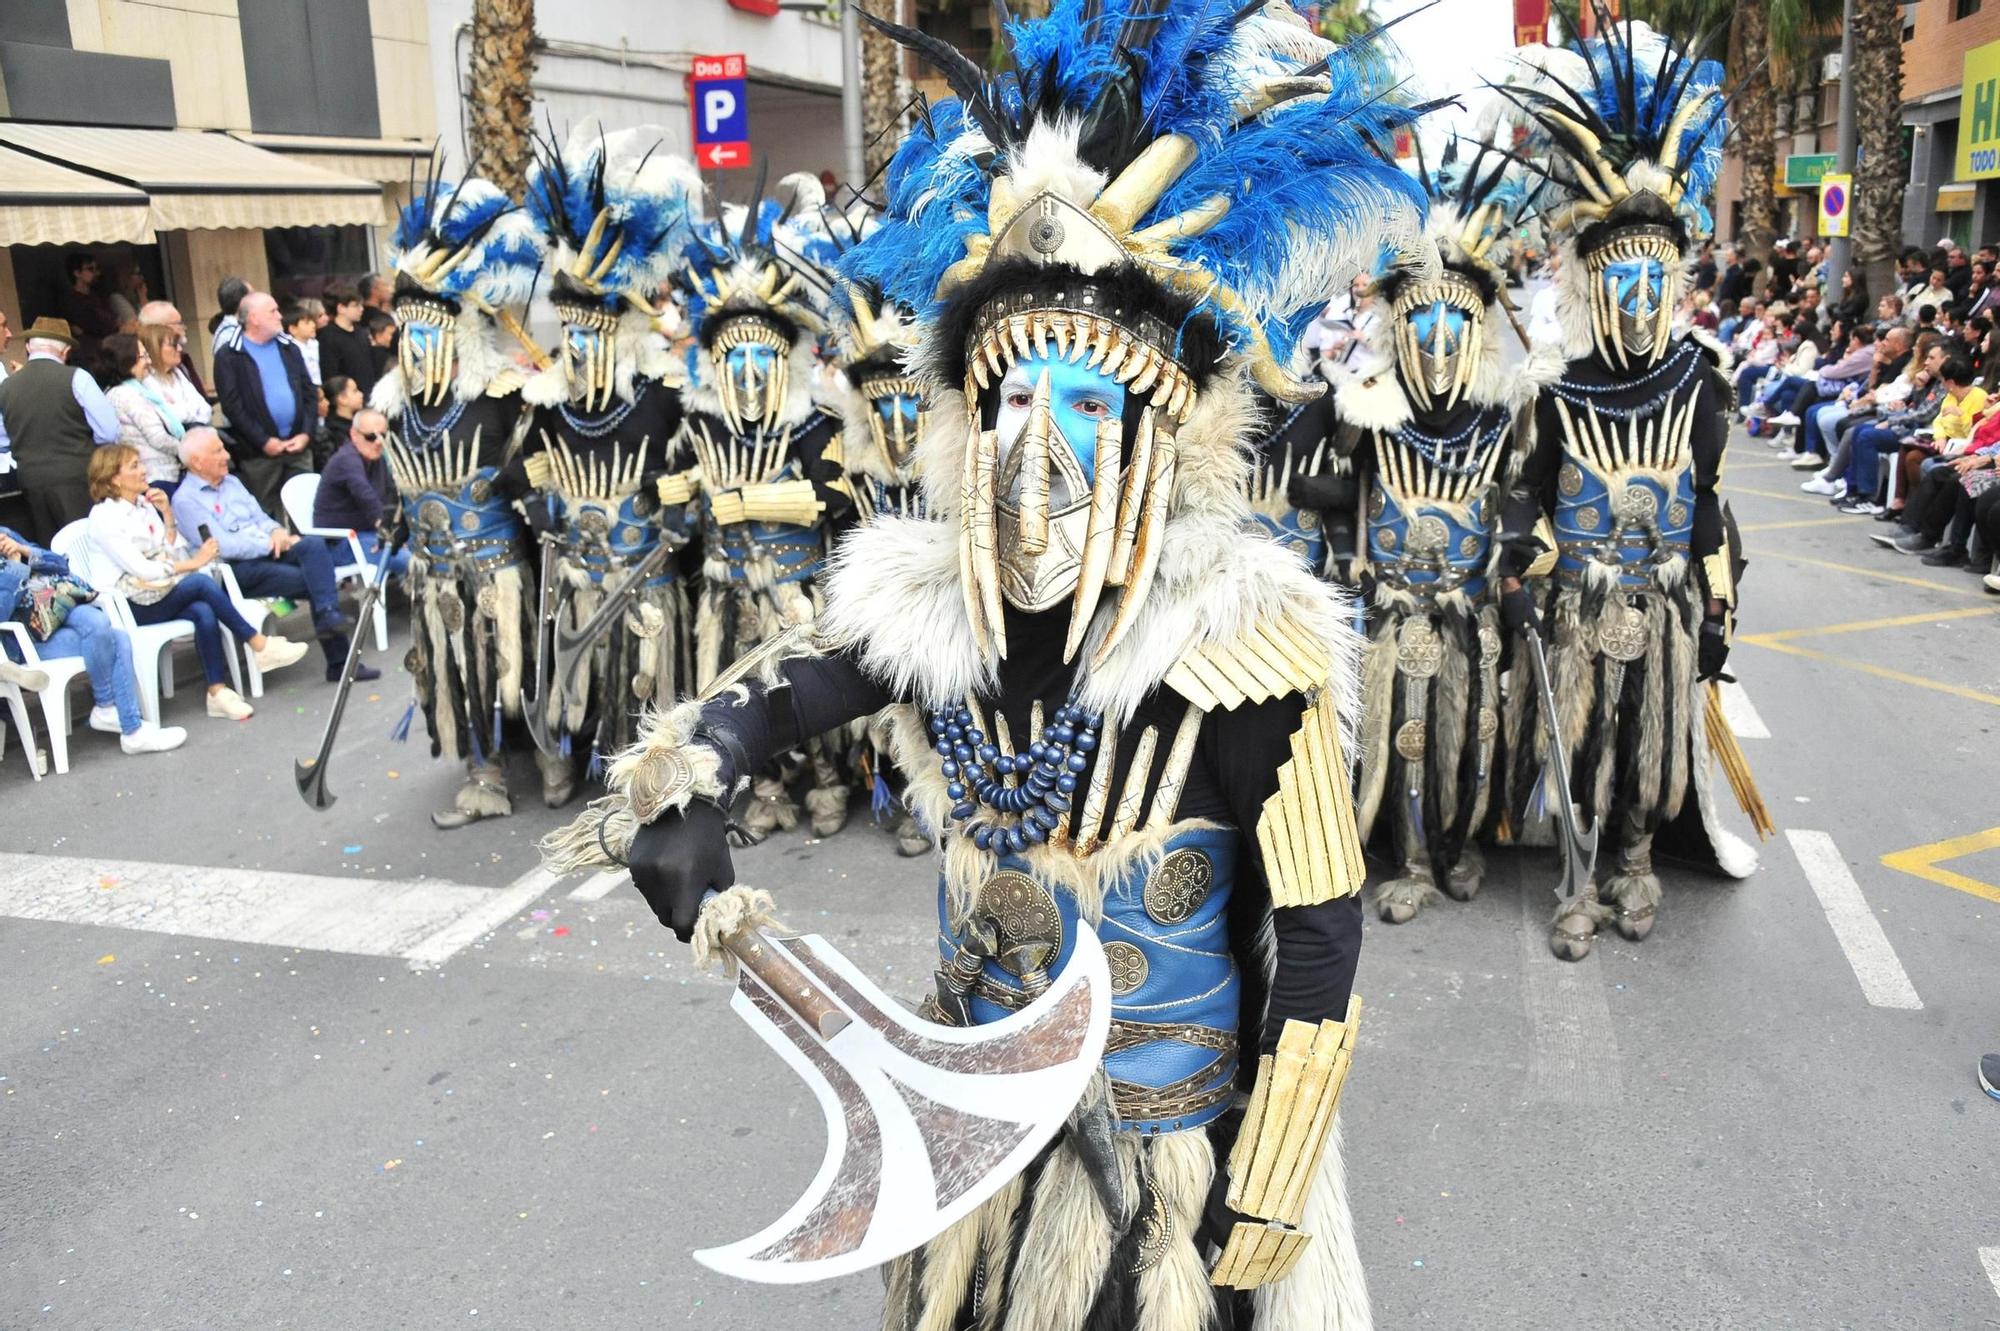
[272, 405]
[132, 526]
[87, 633]
[267, 559]
[1888, 433]
[1940, 512]
[356, 492]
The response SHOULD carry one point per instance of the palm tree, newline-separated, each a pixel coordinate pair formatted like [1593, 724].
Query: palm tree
[1756, 133]
[501, 104]
[881, 87]
[1880, 175]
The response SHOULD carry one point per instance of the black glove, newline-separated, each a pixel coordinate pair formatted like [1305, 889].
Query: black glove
[1517, 611]
[678, 859]
[1713, 651]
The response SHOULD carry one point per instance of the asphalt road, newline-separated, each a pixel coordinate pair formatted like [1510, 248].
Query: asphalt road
[266, 1068]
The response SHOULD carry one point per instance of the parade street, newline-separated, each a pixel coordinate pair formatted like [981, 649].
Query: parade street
[263, 1067]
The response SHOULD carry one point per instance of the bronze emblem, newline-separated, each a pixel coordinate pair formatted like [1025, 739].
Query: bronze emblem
[1489, 723]
[1179, 886]
[1589, 518]
[1024, 914]
[1468, 548]
[1429, 537]
[1410, 740]
[480, 490]
[1419, 650]
[1677, 514]
[1638, 506]
[469, 521]
[1159, 1222]
[1376, 502]
[1128, 966]
[1489, 646]
[1570, 479]
[1388, 538]
[432, 515]
[1622, 634]
[451, 610]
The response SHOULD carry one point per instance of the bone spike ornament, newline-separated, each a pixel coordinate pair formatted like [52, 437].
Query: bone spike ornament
[464, 259]
[1641, 559]
[1091, 679]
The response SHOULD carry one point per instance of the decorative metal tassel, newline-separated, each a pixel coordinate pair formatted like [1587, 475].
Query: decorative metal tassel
[400, 732]
[495, 747]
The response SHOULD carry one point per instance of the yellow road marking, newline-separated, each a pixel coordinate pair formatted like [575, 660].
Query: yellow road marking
[1883, 672]
[1905, 579]
[1817, 501]
[1863, 625]
[1802, 522]
[1923, 862]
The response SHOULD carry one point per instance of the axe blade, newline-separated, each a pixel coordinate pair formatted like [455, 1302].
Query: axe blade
[924, 1122]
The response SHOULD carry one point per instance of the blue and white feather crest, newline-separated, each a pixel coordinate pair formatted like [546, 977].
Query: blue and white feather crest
[777, 262]
[467, 240]
[618, 210]
[1286, 191]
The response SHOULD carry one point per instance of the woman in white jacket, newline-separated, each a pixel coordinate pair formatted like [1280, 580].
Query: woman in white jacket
[132, 526]
[147, 421]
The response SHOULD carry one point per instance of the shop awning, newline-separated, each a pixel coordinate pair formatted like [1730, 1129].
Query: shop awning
[205, 182]
[45, 204]
[386, 161]
[1957, 197]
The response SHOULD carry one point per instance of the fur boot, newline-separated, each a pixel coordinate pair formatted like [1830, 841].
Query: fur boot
[772, 809]
[910, 839]
[484, 795]
[826, 809]
[1576, 923]
[558, 779]
[1398, 900]
[1466, 876]
[1634, 891]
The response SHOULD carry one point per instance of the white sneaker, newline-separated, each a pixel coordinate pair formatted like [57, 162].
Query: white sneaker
[277, 654]
[106, 720]
[1785, 418]
[228, 704]
[1809, 462]
[1992, 581]
[1756, 409]
[1820, 485]
[149, 738]
[1789, 455]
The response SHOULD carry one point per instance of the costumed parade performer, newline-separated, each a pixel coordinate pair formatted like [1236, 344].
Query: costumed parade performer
[1623, 474]
[1300, 473]
[463, 256]
[757, 295]
[1435, 439]
[612, 481]
[1126, 721]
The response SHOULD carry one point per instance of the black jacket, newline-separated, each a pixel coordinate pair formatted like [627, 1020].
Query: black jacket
[241, 391]
[342, 351]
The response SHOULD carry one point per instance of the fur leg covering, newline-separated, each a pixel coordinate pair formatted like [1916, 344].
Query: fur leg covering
[558, 778]
[1398, 900]
[1326, 1291]
[772, 808]
[1634, 891]
[1466, 876]
[1576, 924]
[911, 839]
[484, 795]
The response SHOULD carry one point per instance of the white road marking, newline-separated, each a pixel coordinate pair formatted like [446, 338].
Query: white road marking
[599, 886]
[1741, 714]
[1572, 1050]
[1990, 1259]
[423, 922]
[1883, 980]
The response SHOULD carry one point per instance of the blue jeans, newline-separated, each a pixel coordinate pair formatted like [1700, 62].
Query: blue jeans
[1820, 419]
[371, 545]
[1748, 378]
[1864, 458]
[302, 573]
[107, 659]
[200, 600]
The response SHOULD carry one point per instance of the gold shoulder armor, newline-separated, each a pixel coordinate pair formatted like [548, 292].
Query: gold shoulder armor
[1276, 656]
[1306, 835]
[507, 381]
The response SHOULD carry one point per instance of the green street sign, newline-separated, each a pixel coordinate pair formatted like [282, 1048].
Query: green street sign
[1803, 170]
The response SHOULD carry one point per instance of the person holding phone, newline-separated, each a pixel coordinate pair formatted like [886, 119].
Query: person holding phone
[133, 526]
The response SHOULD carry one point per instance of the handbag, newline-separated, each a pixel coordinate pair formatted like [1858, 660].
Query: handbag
[47, 599]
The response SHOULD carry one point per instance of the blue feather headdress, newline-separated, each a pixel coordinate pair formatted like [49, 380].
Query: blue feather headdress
[465, 241]
[1205, 173]
[768, 261]
[618, 212]
[1633, 126]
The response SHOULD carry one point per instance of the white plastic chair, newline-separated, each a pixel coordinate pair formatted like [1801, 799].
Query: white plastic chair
[54, 699]
[152, 662]
[18, 709]
[297, 496]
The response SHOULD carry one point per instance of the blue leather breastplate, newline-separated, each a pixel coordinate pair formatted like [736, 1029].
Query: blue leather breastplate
[1297, 530]
[1634, 519]
[1176, 992]
[1428, 548]
[476, 519]
[795, 551]
[602, 539]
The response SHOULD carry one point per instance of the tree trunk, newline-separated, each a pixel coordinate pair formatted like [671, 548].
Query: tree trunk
[1756, 135]
[882, 95]
[1881, 176]
[500, 101]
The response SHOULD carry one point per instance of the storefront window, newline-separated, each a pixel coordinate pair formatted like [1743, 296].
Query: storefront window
[303, 259]
[126, 277]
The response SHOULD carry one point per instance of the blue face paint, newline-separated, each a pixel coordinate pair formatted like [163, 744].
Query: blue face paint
[1079, 398]
[1637, 286]
[898, 419]
[1440, 329]
[751, 356]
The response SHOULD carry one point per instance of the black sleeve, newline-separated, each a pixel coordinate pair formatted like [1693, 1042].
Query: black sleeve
[1533, 493]
[1318, 945]
[823, 472]
[1709, 437]
[814, 694]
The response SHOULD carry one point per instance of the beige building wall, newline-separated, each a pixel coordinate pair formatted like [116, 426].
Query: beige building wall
[196, 263]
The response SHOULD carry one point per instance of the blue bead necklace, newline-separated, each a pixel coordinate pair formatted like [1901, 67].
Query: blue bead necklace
[975, 773]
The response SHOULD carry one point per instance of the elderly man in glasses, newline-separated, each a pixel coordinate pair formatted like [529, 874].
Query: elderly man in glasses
[356, 490]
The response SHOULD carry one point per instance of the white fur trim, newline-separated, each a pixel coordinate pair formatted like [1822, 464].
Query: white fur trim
[1326, 1290]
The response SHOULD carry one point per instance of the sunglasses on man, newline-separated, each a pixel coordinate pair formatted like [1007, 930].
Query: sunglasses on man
[374, 436]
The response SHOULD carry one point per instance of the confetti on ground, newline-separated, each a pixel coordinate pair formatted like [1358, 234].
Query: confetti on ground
[107, 958]
[393, 775]
[561, 931]
[538, 915]
[106, 883]
[374, 697]
[350, 850]
[391, 1164]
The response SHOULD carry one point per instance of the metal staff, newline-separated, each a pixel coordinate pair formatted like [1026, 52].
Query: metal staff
[310, 777]
[1579, 846]
[534, 709]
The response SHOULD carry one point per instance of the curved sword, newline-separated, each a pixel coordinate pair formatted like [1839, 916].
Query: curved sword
[1579, 845]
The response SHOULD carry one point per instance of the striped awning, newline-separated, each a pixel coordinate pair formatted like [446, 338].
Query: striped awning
[385, 161]
[42, 203]
[194, 181]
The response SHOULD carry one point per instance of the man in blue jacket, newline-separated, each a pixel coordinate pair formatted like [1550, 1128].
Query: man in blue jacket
[269, 398]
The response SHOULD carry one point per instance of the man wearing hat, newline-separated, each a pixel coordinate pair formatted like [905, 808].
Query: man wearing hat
[53, 417]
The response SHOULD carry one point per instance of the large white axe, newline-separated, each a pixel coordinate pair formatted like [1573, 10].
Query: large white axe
[924, 1122]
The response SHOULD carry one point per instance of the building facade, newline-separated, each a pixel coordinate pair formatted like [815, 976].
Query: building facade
[1951, 102]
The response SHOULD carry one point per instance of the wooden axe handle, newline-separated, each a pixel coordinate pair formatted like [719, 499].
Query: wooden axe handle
[783, 977]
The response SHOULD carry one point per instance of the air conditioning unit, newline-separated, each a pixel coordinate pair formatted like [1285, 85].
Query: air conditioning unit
[1830, 69]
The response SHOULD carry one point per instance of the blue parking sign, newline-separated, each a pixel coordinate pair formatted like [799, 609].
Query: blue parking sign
[719, 100]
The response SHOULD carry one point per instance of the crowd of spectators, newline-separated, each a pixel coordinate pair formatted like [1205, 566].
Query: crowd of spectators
[1884, 400]
[111, 431]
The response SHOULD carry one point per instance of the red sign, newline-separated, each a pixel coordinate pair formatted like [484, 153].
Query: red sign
[765, 8]
[1531, 22]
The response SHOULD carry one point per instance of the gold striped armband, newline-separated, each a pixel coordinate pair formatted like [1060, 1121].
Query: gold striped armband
[1719, 576]
[538, 469]
[1306, 836]
[678, 487]
[794, 502]
[1278, 1152]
